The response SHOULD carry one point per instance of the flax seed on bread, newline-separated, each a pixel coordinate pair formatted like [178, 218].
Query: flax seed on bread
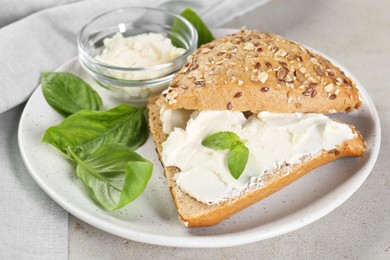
[255, 71]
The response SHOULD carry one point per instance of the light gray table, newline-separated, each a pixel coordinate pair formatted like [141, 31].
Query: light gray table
[357, 34]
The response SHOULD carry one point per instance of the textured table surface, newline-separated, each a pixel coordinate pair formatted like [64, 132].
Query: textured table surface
[357, 34]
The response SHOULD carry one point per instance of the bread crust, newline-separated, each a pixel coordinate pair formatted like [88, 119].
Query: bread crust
[193, 213]
[255, 71]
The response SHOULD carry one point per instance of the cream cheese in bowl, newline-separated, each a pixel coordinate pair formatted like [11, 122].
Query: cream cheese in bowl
[143, 50]
[135, 52]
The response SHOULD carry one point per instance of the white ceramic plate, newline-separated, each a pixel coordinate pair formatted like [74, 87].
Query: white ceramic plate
[152, 217]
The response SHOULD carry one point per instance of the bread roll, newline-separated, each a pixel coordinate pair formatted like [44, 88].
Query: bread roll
[254, 71]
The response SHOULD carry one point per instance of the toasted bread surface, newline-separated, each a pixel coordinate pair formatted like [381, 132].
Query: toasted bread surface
[254, 71]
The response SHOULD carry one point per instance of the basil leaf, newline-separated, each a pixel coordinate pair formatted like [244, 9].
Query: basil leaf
[68, 94]
[138, 174]
[178, 29]
[114, 175]
[85, 131]
[221, 140]
[175, 35]
[238, 154]
[237, 159]
[204, 34]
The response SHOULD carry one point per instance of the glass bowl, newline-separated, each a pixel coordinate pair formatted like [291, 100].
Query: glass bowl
[134, 84]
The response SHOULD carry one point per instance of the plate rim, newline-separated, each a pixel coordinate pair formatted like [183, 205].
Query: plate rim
[215, 241]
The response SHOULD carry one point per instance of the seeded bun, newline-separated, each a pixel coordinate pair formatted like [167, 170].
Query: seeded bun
[254, 71]
[193, 213]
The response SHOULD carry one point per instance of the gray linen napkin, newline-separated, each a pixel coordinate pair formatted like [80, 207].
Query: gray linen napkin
[32, 226]
[11, 11]
[38, 36]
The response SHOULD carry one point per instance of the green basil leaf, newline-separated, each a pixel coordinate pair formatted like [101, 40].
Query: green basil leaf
[221, 140]
[238, 154]
[138, 174]
[178, 29]
[87, 130]
[68, 94]
[114, 175]
[175, 35]
[204, 34]
[237, 159]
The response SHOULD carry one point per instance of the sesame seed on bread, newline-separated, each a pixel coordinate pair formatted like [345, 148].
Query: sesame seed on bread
[256, 71]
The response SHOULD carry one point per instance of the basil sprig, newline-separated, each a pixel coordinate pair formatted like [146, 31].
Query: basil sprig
[100, 143]
[238, 154]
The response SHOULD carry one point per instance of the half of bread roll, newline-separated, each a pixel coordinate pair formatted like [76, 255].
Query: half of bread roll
[194, 213]
[254, 71]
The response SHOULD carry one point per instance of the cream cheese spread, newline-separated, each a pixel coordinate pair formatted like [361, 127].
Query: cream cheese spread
[143, 50]
[272, 140]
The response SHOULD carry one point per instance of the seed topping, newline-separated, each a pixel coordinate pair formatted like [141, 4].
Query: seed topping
[263, 77]
[281, 73]
[238, 94]
[300, 76]
[313, 93]
[200, 83]
[264, 89]
[319, 70]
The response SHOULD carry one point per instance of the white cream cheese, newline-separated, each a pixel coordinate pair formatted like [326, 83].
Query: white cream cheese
[174, 118]
[272, 140]
[143, 50]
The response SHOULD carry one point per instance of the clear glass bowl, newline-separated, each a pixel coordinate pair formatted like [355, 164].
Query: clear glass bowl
[130, 22]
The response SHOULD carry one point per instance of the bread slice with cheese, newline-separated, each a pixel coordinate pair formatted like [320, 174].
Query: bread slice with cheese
[252, 72]
[194, 213]
[260, 72]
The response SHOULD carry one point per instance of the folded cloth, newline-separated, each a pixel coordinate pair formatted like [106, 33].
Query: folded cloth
[12, 12]
[32, 226]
